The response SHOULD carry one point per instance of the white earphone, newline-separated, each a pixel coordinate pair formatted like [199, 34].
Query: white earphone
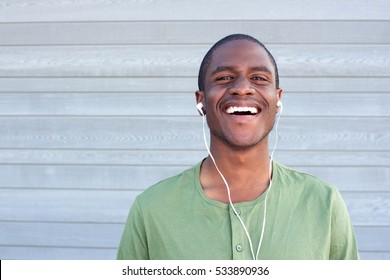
[199, 106]
[279, 105]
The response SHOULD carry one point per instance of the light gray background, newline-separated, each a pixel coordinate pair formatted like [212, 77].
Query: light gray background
[97, 103]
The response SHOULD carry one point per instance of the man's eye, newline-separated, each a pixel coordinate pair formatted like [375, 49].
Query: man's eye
[258, 78]
[224, 78]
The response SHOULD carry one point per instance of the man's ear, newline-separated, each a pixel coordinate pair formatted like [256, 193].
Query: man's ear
[199, 96]
[279, 106]
[279, 93]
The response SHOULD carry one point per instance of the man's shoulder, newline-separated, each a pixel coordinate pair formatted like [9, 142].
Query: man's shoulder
[304, 180]
[170, 186]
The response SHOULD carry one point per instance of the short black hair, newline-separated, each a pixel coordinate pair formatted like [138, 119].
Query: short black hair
[233, 37]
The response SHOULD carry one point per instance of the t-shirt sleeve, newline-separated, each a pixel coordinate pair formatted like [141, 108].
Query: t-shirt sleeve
[133, 244]
[343, 242]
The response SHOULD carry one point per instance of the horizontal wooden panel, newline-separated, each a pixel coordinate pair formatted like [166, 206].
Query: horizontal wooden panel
[55, 253]
[371, 208]
[336, 104]
[81, 61]
[161, 158]
[164, 158]
[107, 236]
[185, 133]
[176, 32]
[113, 10]
[138, 104]
[187, 85]
[140, 177]
[74, 177]
[87, 206]
[79, 235]
[184, 60]
[368, 179]
[373, 238]
[106, 104]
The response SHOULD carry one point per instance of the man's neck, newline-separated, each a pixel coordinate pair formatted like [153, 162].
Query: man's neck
[247, 172]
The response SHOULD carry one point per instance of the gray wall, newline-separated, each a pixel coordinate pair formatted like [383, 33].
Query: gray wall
[97, 103]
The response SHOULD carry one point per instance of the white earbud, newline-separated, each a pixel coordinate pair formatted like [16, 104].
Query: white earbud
[279, 105]
[199, 106]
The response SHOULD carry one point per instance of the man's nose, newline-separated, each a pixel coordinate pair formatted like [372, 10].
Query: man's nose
[241, 86]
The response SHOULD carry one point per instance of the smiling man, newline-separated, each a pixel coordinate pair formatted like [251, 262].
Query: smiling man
[237, 203]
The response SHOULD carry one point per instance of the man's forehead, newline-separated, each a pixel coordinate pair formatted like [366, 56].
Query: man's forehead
[240, 43]
[233, 54]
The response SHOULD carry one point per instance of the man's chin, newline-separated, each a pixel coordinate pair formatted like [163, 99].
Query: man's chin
[241, 141]
[243, 144]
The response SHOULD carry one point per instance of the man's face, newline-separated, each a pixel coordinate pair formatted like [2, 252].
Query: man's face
[240, 94]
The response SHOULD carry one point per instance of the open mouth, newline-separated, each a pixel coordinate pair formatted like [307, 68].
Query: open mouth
[241, 111]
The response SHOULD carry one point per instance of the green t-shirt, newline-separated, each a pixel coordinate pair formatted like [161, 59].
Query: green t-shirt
[306, 219]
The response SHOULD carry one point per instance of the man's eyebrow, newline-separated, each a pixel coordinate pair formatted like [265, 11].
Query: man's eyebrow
[222, 68]
[232, 68]
[261, 69]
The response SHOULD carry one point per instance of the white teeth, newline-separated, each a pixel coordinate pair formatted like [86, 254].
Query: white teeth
[234, 109]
